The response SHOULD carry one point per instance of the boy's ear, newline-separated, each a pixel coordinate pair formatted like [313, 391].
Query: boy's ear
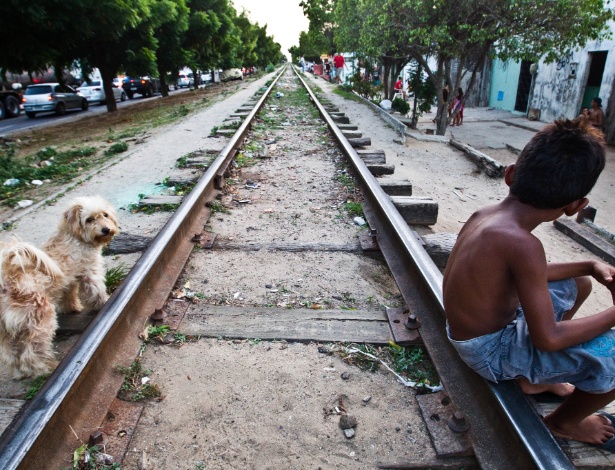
[508, 174]
[576, 206]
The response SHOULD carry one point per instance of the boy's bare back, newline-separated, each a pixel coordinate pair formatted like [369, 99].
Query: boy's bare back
[480, 291]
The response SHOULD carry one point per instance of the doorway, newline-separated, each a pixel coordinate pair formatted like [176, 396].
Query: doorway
[594, 78]
[523, 88]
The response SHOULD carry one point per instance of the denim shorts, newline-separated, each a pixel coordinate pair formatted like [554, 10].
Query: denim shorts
[510, 353]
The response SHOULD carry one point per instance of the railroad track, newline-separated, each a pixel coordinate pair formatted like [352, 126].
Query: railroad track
[505, 429]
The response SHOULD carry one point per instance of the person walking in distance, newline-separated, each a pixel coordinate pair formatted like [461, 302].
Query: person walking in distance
[338, 61]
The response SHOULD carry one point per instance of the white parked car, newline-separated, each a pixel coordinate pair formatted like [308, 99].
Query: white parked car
[95, 93]
[231, 74]
[52, 97]
[183, 81]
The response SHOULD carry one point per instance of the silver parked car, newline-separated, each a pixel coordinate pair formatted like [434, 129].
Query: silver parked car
[52, 97]
[94, 92]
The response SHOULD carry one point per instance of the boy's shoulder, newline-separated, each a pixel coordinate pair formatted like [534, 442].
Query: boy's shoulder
[492, 227]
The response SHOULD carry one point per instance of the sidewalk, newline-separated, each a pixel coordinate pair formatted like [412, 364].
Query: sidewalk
[488, 129]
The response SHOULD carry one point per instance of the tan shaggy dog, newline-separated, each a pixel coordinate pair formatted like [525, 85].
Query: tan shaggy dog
[30, 283]
[86, 227]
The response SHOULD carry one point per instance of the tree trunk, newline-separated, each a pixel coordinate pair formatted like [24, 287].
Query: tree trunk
[164, 87]
[442, 113]
[384, 78]
[107, 75]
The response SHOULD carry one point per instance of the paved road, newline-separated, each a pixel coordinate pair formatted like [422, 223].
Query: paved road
[21, 123]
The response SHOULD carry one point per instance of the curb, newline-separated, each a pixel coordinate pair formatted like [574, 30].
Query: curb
[519, 125]
[428, 138]
[491, 167]
[397, 125]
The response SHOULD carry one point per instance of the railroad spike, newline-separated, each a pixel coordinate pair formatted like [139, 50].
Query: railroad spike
[458, 422]
[159, 314]
[412, 323]
[97, 438]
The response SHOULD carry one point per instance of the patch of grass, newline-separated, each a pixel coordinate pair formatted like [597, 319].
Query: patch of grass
[354, 209]
[214, 130]
[46, 164]
[242, 160]
[412, 362]
[346, 94]
[363, 362]
[182, 161]
[114, 277]
[133, 388]
[152, 209]
[157, 332]
[86, 458]
[116, 148]
[346, 181]
[216, 206]
[35, 385]
[181, 111]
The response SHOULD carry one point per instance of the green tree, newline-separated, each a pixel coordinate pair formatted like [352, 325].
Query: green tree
[171, 56]
[32, 34]
[445, 36]
[359, 29]
[320, 33]
[212, 37]
[248, 33]
[463, 33]
[267, 50]
[118, 36]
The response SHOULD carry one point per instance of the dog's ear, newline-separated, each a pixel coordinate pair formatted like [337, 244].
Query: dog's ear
[72, 219]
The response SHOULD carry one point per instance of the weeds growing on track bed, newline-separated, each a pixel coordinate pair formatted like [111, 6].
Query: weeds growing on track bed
[71, 149]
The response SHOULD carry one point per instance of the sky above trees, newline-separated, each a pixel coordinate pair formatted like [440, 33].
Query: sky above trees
[284, 19]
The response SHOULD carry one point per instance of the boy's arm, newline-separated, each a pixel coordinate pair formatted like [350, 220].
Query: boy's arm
[529, 268]
[601, 272]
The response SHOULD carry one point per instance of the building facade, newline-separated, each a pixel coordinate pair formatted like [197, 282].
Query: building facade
[557, 90]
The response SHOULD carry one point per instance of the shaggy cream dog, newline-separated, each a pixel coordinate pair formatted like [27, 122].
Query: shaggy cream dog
[30, 283]
[86, 227]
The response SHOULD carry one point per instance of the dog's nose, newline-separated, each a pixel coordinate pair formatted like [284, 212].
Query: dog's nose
[106, 230]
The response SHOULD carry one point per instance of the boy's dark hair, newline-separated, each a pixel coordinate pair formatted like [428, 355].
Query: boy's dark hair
[559, 165]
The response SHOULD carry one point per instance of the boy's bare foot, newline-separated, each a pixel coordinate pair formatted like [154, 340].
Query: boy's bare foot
[595, 429]
[562, 389]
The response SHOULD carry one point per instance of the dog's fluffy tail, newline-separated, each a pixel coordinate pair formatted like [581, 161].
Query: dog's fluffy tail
[18, 258]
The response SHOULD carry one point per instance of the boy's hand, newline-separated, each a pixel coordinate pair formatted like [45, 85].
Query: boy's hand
[605, 275]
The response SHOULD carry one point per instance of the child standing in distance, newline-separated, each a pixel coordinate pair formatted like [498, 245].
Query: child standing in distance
[458, 108]
[510, 313]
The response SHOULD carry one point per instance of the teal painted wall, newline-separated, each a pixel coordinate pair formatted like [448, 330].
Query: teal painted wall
[504, 82]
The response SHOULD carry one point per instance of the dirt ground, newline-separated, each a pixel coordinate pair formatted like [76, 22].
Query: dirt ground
[262, 404]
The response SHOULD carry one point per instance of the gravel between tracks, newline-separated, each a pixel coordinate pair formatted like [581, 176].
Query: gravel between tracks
[252, 404]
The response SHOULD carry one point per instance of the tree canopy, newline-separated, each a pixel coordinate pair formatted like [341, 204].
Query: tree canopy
[136, 37]
[453, 38]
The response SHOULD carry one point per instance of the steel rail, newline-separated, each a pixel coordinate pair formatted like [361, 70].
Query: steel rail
[35, 435]
[506, 431]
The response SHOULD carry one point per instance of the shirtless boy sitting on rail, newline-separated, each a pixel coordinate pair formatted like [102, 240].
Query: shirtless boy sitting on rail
[509, 312]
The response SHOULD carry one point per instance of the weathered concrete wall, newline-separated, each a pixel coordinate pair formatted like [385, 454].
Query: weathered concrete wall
[557, 95]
